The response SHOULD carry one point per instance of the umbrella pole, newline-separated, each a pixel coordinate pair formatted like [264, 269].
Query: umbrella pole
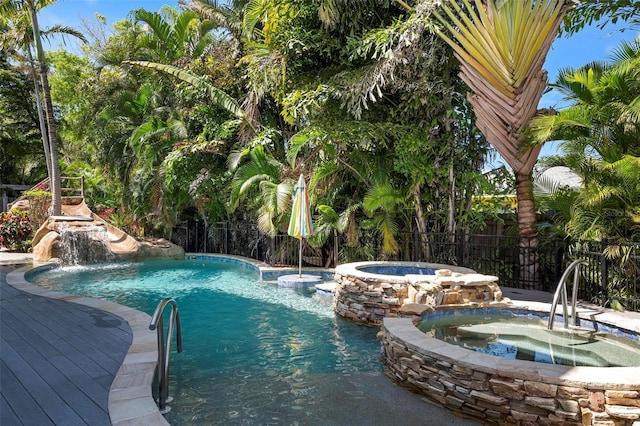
[300, 260]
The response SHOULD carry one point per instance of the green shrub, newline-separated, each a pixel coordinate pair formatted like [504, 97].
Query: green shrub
[15, 231]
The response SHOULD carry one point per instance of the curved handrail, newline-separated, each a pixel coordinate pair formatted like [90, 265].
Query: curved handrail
[164, 349]
[561, 291]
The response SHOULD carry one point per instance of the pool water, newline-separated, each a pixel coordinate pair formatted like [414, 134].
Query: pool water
[399, 270]
[527, 338]
[253, 352]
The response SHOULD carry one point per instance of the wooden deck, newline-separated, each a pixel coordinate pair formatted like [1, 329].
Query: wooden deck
[57, 359]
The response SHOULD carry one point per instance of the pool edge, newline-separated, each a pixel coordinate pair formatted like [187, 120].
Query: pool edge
[130, 399]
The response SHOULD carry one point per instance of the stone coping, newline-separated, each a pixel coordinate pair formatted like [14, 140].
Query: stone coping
[588, 377]
[130, 397]
[354, 270]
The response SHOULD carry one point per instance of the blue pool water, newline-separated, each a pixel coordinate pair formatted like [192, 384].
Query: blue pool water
[523, 335]
[254, 353]
[399, 270]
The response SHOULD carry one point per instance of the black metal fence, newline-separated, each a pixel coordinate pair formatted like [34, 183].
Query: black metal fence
[612, 276]
[613, 273]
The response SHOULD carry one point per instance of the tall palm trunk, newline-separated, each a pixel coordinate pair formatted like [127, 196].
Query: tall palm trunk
[43, 127]
[41, 66]
[527, 226]
[421, 224]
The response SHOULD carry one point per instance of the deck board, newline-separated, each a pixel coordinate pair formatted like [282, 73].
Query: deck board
[44, 395]
[58, 359]
[24, 408]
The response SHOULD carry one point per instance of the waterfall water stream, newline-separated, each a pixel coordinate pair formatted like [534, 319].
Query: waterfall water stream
[80, 245]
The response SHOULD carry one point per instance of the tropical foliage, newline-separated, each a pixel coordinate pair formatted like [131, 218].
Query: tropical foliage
[15, 230]
[212, 111]
[22, 158]
[600, 12]
[600, 130]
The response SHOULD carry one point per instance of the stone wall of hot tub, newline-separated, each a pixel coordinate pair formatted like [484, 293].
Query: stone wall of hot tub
[508, 392]
[367, 298]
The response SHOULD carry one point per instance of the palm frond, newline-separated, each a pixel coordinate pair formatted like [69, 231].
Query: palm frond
[236, 157]
[157, 24]
[501, 49]
[382, 196]
[254, 13]
[566, 124]
[388, 229]
[218, 96]
[64, 32]
[297, 142]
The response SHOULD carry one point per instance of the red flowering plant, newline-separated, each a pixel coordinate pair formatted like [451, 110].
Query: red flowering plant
[15, 231]
[104, 212]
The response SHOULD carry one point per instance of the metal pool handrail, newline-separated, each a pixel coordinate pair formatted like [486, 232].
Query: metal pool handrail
[164, 348]
[561, 291]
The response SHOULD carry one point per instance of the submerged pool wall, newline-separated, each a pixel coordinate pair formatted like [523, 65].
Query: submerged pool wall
[266, 272]
[513, 392]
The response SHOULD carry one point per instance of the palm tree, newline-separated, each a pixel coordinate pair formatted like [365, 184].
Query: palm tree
[603, 116]
[329, 223]
[31, 7]
[41, 65]
[227, 15]
[263, 177]
[600, 130]
[175, 35]
[501, 46]
[384, 203]
[178, 38]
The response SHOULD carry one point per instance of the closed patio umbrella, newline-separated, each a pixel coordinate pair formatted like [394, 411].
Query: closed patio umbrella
[300, 224]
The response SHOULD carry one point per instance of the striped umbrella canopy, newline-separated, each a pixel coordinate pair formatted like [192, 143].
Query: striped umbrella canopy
[300, 224]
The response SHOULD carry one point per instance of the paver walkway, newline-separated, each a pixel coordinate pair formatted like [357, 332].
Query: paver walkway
[58, 359]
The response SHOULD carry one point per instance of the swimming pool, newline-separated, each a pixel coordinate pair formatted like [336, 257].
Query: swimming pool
[254, 353]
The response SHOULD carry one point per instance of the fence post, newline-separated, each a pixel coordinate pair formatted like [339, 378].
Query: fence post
[226, 237]
[460, 238]
[186, 235]
[256, 256]
[272, 251]
[206, 237]
[604, 271]
[197, 248]
[561, 258]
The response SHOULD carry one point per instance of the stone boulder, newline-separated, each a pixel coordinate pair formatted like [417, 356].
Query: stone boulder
[158, 248]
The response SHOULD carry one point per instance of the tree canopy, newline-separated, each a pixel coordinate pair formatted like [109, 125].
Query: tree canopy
[212, 111]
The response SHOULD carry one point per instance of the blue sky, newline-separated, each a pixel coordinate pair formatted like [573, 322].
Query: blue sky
[589, 45]
[69, 12]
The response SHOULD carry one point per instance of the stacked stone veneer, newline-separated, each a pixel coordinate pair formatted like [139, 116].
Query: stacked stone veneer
[509, 392]
[368, 298]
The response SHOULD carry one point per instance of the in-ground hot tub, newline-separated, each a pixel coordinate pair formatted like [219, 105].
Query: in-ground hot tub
[515, 391]
[367, 292]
